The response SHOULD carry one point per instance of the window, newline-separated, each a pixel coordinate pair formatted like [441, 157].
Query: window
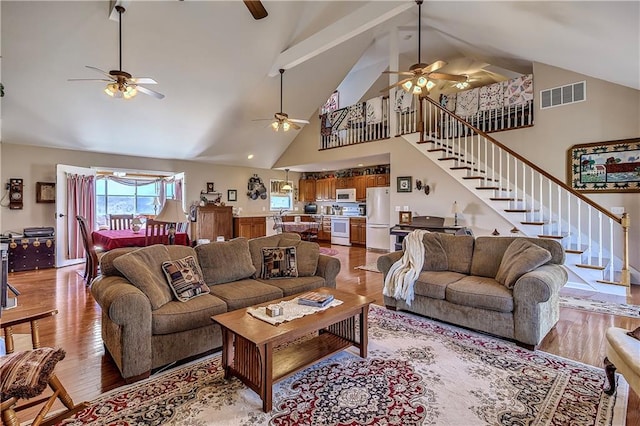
[128, 196]
[280, 199]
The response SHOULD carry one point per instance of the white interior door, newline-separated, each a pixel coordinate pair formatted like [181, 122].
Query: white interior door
[62, 233]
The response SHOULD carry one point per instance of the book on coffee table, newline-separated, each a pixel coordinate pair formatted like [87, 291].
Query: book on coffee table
[319, 300]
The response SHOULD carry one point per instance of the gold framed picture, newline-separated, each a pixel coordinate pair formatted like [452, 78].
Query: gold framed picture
[405, 217]
[45, 192]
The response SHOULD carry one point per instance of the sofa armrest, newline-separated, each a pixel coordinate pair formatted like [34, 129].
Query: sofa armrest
[328, 268]
[540, 284]
[385, 261]
[126, 324]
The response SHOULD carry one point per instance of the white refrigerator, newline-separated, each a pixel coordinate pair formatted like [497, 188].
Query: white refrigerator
[378, 205]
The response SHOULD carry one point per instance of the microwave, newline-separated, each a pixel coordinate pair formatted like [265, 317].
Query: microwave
[347, 195]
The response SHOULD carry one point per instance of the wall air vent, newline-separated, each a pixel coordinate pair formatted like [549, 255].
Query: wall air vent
[563, 95]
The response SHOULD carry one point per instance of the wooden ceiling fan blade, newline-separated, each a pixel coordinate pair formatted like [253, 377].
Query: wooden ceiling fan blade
[400, 83]
[148, 91]
[297, 120]
[450, 77]
[89, 79]
[143, 80]
[434, 66]
[398, 72]
[256, 8]
[294, 125]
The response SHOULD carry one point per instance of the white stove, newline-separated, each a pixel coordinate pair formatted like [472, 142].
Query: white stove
[340, 226]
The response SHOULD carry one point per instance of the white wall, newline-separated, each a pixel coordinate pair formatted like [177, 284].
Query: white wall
[37, 164]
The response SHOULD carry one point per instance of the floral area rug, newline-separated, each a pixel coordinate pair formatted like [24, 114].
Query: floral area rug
[600, 307]
[418, 372]
[328, 251]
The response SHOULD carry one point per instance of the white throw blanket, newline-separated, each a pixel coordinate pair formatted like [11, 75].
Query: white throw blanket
[404, 273]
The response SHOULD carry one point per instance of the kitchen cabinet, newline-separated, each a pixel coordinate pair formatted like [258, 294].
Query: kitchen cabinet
[345, 182]
[324, 233]
[249, 227]
[307, 190]
[359, 183]
[212, 222]
[377, 180]
[358, 230]
[326, 189]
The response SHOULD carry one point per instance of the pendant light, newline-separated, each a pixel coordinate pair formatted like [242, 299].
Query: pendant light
[286, 187]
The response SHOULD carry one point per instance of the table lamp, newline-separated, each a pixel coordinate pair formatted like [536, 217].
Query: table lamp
[136, 224]
[156, 204]
[455, 210]
[172, 213]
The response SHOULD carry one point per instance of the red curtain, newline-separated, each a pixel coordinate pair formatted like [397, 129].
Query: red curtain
[81, 194]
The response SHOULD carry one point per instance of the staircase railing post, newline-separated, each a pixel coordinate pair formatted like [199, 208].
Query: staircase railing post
[421, 117]
[625, 278]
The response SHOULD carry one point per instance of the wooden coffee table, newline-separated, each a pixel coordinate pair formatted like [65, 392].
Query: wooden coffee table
[248, 343]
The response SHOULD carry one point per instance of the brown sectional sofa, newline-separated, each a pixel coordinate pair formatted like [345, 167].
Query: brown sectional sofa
[144, 327]
[466, 291]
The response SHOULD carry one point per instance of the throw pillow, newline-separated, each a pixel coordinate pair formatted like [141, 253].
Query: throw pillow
[226, 261]
[435, 258]
[520, 257]
[185, 278]
[307, 253]
[279, 262]
[143, 268]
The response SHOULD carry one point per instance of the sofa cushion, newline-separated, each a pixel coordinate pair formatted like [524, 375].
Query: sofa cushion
[243, 293]
[459, 249]
[520, 257]
[481, 293]
[185, 278]
[225, 261]
[290, 286]
[179, 252]
[279, 262]
[175, 316]
[434, 283]
[143, 268]
[307, 255]
[488, 252]
[435, 258]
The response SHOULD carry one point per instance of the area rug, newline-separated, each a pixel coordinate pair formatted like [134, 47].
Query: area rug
[600, 307]
[418, 372]
[371, 267]
[328, 251]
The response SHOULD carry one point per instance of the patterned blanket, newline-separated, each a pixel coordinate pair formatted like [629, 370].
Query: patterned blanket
[467, 102]
[491, 97]
[374, 110]
[518, 90]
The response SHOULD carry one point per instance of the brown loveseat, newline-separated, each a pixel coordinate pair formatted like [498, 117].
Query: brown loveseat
[460, 283]
[145, 327]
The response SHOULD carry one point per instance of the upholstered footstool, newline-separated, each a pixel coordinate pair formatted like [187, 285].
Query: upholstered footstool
[623, 354]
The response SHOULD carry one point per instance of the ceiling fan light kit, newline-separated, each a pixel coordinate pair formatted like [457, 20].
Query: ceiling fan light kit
[281, 120]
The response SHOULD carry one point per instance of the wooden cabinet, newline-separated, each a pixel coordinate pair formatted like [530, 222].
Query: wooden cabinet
[307, 190]
[326, 189]
[212, 222]
[249, 227]
[358, 230]
[359, 182]
[377, 180]
[324, 233]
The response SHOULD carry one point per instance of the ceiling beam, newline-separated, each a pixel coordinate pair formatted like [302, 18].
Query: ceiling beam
[368, 16]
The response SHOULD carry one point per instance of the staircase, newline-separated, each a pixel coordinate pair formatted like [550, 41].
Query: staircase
[535, 202]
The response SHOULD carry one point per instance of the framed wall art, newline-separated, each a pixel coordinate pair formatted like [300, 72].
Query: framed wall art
[612, 166]
[232, 195]
[404, 184]
[45, 192]
[210, 187]
[405, 217]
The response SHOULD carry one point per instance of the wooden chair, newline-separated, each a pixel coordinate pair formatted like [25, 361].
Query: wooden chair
[311, 233]
[277, 224]
[24, 375]
[156, 233]
[120, 221]
[182, 227]
[92, 254]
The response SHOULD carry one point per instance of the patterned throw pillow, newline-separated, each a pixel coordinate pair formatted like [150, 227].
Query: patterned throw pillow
[279, 262]
[185, 278]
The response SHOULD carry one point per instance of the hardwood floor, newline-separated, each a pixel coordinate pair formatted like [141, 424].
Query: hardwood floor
[87, 371]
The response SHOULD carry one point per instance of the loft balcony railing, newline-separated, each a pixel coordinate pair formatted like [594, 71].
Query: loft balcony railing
[354, 125]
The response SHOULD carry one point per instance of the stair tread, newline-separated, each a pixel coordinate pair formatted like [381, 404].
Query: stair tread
[504, 199]
[582, 265]
[534, 222]
[555, 237]
[520, 211]
[496, 188]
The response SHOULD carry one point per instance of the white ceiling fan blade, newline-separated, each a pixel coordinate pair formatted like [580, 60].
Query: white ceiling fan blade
[142, 80]
[297, 120]
[89, 79]
[294, 125]
[148, 91]
[101, 71]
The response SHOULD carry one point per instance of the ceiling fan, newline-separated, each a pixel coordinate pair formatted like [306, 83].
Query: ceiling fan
[256, 8]
[282, 120]
[421, 75]
[120, 83]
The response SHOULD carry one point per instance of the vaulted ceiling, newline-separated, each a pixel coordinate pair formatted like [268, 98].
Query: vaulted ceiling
[218, 66]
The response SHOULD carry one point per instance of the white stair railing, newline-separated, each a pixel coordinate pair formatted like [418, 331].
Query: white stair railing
[551, 209]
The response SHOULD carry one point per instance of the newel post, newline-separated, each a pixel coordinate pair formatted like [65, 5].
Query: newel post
[625, 279]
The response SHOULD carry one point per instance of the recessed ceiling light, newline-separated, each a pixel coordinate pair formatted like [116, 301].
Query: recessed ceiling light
[250, 156]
